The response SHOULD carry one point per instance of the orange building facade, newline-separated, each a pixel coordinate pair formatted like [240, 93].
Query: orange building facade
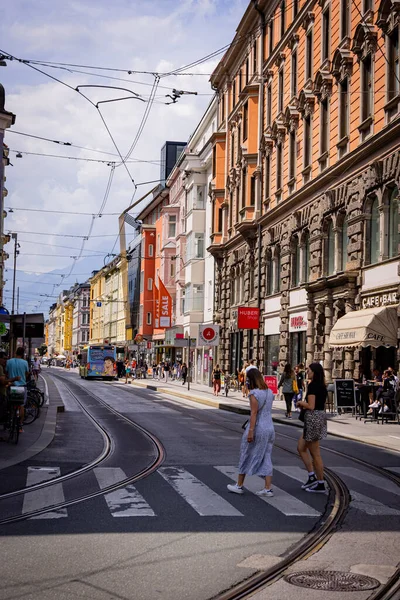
[306, 173]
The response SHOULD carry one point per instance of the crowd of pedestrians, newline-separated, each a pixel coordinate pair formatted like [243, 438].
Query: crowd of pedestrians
[162, 371]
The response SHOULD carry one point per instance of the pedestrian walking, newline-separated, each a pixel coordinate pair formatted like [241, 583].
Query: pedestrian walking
[184, 372]
[287, 381]
[36, 368]
[242, 380]
[258, 437]
[128, 370]
[166, 371]
[18, 369]
[216, 377]
[300, 379]
[314, 417]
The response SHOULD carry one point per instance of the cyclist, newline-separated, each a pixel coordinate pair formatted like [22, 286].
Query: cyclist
[18, 370]
[4, 383]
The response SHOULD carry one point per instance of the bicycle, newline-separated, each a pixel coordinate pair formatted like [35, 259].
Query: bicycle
[35, 393]
[31, 409]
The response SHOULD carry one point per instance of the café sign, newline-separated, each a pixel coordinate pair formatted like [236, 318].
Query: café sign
[380, 300]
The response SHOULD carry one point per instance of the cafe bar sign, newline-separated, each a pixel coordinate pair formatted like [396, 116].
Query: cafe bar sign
[380, 300]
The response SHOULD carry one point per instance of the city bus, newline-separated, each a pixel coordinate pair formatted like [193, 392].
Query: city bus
[98, 361]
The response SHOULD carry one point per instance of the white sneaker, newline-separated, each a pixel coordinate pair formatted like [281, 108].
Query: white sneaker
[265, 492]
[233, 487]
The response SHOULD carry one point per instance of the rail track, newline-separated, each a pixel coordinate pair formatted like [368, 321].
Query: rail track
[337, 506]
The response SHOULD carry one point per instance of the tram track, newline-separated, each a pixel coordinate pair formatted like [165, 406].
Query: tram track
[338, 503]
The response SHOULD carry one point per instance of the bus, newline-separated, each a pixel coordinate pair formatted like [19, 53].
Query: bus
[98, 361]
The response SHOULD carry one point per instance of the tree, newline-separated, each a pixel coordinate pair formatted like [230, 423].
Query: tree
[42, 349]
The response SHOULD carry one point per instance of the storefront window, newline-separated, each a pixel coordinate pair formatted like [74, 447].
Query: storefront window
[271, 354]
[394, 224]
[297, 348]
[345, 242]
[331, 250]
[374, 257]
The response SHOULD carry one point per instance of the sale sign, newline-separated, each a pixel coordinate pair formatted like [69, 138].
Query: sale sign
[208, 335]
[272, 383]
[165, 306]
[248, 318]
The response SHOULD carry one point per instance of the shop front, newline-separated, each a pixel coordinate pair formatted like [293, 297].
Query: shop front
[271, 345]
[298, 324]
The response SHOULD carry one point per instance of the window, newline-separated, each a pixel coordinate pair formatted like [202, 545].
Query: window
[230, 209]
[272, 347]
[200, 201]
[295, 5]
[307, 141]
[232, 148]
[252, 190]
[198, 297]
[326, 34]
[344, 110]
[306, 257]
[324, 131]
[234, 93]
[366, 88]
[151, 250]
[271, 36]
[277, 272]
[309, 49]
[240, 80]
[268, 275]
[345, 243]
[244, 187]
[222, 107]
[183, 303]
[283, 18]
[245, 121]
[255, 57]
[393, 64]
[269, 104]
[199, 243]
[279, 156]
[140, 316]
[296, 264]
[246, 78]
[172, 226]
[214, 162]
[330, 263]
[294, 74]
[374, 232]
[344, 18]
[149, 284]
[292, 156]
[172, 267]
[148, 318]
[267, 176]
[394, 224]
[280, 91]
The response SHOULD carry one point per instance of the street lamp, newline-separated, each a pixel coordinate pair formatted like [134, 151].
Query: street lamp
[16, 252]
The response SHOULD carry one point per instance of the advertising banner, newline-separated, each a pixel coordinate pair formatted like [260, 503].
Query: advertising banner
[156, 294]
[298, 322]
[208, 335]
[272, 383]
[248, 318]
[165, 306]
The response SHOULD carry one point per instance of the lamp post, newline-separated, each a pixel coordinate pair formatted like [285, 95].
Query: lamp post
[16, 252]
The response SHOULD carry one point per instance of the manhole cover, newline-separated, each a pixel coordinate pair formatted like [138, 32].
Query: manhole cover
[333, 581]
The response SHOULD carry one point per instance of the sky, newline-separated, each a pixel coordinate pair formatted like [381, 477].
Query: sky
[137, 35]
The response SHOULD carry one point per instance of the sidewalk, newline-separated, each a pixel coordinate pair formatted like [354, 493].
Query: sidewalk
[39, 434]
[345, 426]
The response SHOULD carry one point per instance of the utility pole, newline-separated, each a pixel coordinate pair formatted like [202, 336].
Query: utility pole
[18, 300]
[15, 238]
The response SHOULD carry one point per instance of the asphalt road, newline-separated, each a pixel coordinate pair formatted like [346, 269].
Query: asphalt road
[178, 533]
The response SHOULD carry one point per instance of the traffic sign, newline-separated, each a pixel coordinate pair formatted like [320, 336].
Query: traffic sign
[208, 335]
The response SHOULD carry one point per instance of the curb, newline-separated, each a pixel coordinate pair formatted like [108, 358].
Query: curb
[246, 411]
[45, 438]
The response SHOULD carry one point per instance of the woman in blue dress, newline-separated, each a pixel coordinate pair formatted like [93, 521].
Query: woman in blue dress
[258, 437]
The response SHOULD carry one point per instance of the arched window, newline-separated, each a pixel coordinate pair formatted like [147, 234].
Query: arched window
[330, 247]
[345, 241]
[295, 262]
[268, 275]
[374, 232]
[277, 270]
[393, 228]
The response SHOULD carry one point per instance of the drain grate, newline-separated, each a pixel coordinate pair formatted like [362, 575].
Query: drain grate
[333, 581]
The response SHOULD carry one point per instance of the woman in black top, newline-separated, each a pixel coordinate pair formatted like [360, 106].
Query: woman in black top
[217, 380]
[313, 411]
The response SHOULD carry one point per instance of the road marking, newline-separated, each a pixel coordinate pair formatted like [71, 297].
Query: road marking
[371, 506]
[126, 501]
[200, 497]
[45, 497]
[286, 503]
[370, 479]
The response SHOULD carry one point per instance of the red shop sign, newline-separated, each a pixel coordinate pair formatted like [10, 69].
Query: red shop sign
[248, 318]
[272, 383]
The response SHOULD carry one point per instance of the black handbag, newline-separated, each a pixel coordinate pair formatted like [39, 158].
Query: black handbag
[245, 424]
[302, 414]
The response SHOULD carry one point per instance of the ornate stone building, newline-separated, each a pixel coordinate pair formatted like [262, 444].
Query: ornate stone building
[306, 179]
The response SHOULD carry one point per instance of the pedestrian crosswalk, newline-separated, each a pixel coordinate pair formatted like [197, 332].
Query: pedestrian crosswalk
[204, 492]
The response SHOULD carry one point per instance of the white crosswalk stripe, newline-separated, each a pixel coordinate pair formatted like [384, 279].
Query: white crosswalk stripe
[359, 501]
[126, 501]
[370, 478]
[200, 497]
[44, 497]
[286, 503]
